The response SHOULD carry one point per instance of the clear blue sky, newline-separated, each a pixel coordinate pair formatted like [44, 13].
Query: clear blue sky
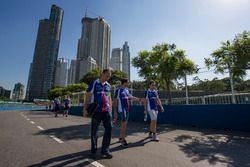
[197, 26]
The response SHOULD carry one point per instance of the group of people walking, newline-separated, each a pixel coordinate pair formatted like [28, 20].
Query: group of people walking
[66, 105]
[99, 92]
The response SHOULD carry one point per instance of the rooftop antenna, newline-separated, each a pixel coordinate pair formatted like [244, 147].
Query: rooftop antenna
[86, 11]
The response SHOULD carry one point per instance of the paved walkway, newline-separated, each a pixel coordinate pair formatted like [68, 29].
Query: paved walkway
[36, 138]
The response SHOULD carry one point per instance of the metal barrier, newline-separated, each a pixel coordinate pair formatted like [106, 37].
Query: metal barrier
[241, 98]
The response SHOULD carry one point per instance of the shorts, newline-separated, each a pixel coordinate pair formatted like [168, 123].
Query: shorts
[57, 108]
[66, 107]
[124, 116]
[153, 114]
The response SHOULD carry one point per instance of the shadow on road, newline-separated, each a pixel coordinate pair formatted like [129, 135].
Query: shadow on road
[69, 132]
[74, 159]
[231, 148]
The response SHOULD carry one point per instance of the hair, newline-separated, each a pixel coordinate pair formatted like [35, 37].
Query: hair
[106, 70]
[151, 82]
[124, 80]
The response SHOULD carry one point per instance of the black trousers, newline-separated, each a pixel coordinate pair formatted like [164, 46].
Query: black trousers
[106, 119]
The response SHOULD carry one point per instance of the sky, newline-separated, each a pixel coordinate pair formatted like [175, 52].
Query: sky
[197, 26]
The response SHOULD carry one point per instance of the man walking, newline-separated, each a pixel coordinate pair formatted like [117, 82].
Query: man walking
[151, 103]
[121, 102]
[99, 91]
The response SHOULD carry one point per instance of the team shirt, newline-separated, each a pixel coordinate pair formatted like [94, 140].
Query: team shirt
[151, 97]
[122, 95]
[66, 102]
[100, 95]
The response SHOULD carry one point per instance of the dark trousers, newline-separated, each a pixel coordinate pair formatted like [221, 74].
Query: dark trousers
[106, 119]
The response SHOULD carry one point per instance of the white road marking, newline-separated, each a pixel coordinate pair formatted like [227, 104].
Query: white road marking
[95, 163]
[27, 119]
[56, 139]
[32, 122]
[39, 127]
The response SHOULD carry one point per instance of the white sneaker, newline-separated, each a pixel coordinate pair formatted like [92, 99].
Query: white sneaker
[145, 117]
[154, 137]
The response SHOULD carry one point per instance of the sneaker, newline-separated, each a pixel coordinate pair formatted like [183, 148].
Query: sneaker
[145, 117]
[150, 134]
[154, 137]
[124, 143]
[92, 155]
[107, 155]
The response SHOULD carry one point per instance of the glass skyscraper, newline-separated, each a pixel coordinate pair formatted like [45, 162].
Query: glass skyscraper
[93, 46]
[42, 69]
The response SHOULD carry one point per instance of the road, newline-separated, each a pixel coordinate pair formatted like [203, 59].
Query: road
[37, 138]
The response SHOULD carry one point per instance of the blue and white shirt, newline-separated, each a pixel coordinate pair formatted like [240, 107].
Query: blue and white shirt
[151, 97]
[123, 95]
[100, 95]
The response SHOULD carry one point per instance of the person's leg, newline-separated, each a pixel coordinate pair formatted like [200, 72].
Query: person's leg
[56, 111]
[153, 115]
[107, 123]
[67, 111]
[95, 122]
[124, 118]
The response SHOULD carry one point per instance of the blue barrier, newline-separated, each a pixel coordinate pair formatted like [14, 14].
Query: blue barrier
[221, 116]
[22, 108]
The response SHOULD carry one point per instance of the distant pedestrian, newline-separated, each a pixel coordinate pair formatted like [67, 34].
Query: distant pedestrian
[121, 102]
[151, 103]
[57, 103]
[67, 104]
[99, 91]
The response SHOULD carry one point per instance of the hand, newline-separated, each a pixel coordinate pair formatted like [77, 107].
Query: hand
[162, 109]
[114, 121]
[85, 113]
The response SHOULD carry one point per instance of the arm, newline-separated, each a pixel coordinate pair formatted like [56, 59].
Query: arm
[115, 110]
[86, 104]
[145, 105]
[159, 103]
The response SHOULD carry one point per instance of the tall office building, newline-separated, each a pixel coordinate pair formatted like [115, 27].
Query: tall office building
[42, 69]
[61, 76]
[93, 46]
[116, 59]
[4, 92]
[72, 72]
[18, 92]
[126, 59]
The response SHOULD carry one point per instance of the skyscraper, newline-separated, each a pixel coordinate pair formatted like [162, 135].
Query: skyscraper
[116, 59]
[42, 69]
[18, 92]
[126, 59]
[72, 72]
[93, 46]
[61, 72]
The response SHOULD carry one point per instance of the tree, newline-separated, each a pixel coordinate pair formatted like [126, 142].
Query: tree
[95, 73]
[91, 75]
[164, 64]
[241, 45]
[60, 91]
[116, 76]
[232, 57]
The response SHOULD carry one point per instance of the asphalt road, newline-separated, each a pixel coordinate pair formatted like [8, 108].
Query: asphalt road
[37, 138]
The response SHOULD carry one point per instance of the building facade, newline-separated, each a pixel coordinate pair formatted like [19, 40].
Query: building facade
[61, 76]
[72, 72]
[18, 92]
[116, 59]
[126, 59]
[43, 67]
[93, 46]
[4, 92]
